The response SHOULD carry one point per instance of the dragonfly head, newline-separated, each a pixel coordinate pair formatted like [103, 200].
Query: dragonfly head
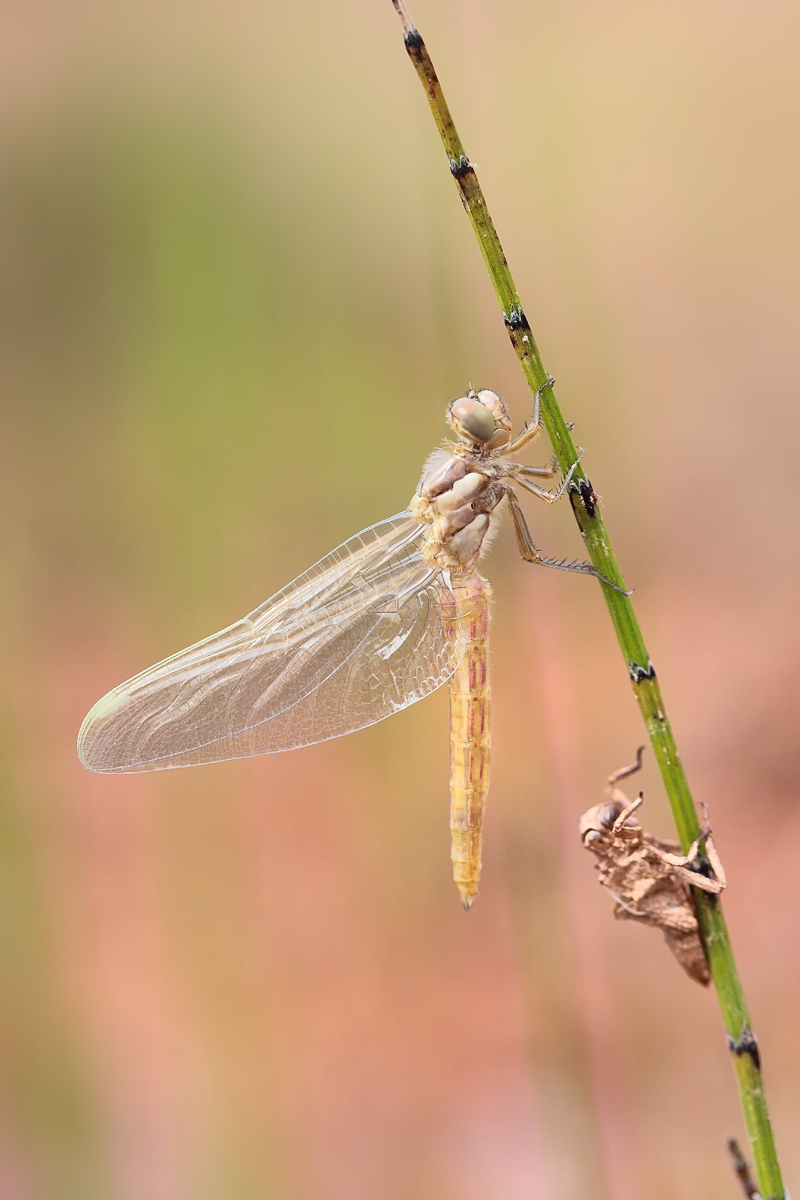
[597, 826]
[480, 418]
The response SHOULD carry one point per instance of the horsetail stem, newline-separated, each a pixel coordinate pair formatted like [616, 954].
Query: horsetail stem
[741, 1040]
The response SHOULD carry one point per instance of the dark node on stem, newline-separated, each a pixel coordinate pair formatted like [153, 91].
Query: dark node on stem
[459, 167]
[746, 1044]
[515, 319]
[413, 40]
[638, 674]
[581, 492]
[701, 866]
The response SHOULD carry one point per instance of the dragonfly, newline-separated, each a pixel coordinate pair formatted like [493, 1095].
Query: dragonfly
[387, 618]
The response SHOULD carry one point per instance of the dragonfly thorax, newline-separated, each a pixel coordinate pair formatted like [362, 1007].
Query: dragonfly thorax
[457, 499]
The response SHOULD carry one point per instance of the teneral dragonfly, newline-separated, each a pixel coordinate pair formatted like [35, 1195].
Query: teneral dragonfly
[384, 620]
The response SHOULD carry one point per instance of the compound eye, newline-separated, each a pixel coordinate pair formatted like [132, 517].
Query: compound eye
[608, 815]
[474, 418]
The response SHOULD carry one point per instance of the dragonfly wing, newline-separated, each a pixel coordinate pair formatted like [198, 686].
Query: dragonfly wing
[362, 634]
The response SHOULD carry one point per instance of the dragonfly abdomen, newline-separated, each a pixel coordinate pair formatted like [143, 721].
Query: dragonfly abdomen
[469, 735]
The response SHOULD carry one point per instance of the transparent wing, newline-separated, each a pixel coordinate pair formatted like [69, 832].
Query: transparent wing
[363, 633]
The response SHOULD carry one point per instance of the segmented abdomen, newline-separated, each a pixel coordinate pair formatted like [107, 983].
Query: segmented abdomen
[469, 735]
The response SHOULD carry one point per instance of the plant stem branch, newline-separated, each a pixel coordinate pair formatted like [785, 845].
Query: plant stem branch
[742, 1170]
[586, 507]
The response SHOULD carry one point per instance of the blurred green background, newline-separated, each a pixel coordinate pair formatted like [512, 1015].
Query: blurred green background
[237, 293]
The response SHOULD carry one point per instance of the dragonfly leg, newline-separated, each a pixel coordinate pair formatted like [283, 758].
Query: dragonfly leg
[628, 811]
[611, 789]
[543, 493]
[711, 852]
[683, 864]
[534, 428]
[532, 555]
[537, 472]
[527, 548]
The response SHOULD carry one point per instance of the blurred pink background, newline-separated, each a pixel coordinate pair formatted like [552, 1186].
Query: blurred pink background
[237, 293]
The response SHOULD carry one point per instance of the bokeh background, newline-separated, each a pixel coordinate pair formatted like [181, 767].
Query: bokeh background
[237, 292]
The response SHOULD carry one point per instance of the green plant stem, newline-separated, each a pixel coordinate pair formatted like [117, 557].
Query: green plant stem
[741, 1041]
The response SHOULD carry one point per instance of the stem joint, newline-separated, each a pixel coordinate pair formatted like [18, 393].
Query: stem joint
[459, 167]
[581, 493]
[515, 319]
[746, 1044]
